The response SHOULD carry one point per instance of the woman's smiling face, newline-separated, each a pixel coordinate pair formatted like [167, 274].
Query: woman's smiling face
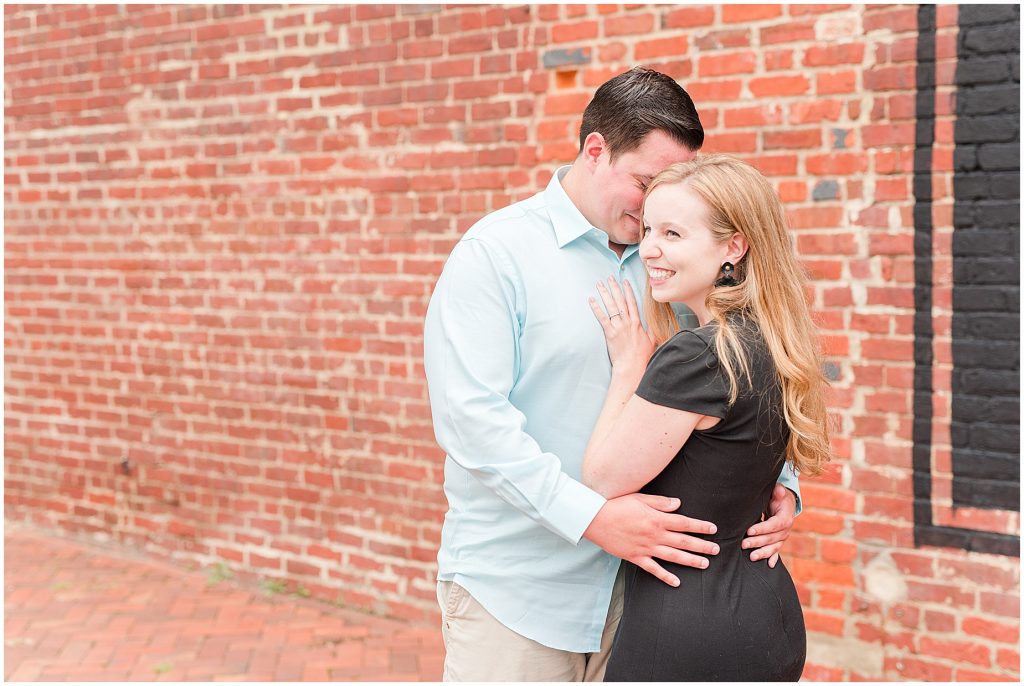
[682, 255]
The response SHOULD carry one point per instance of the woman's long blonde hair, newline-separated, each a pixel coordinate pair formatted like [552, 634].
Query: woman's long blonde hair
[770, 291]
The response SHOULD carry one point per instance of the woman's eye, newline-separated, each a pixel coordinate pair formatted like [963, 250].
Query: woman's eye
[647, 230]
[672, 234]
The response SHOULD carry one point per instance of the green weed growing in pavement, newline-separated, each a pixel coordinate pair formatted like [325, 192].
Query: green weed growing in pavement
[217, 573]
[273, 586]
[278, 587]
[161, 667]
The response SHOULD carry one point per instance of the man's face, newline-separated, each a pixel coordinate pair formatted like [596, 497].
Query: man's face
[619, 186]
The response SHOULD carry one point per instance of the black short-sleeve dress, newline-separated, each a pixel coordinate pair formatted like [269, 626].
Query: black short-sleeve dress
[737, 620]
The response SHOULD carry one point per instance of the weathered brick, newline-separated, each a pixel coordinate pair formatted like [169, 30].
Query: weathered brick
[629, 24]
[685, 17]
[779, 85]
[995, 631]
[662, 47]
[744, 13]
[584, 30]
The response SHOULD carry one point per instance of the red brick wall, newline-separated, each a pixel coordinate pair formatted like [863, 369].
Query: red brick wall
[222, 226]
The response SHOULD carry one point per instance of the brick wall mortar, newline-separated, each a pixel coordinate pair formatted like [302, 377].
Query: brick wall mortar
[222, 278]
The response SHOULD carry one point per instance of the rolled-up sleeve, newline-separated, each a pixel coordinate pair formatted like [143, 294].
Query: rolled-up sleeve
[472, 358]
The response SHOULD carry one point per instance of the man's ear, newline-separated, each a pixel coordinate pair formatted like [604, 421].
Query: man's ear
[593, 147]
[737, 248]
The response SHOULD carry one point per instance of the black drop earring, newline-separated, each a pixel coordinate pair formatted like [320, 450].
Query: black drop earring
[726, 279]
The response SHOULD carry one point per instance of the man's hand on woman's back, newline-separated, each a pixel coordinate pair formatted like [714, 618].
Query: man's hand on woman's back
[639, 528]
[766, 538]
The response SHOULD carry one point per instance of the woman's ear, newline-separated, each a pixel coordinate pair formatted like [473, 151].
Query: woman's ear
[737, 248]
[593, 146]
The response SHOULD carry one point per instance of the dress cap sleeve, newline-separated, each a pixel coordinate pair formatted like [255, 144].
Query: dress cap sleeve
[684, 374]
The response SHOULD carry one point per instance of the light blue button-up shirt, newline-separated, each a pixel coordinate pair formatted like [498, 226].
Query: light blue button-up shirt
[517, 370]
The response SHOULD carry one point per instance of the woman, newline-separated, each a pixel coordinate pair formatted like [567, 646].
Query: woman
[718, 411]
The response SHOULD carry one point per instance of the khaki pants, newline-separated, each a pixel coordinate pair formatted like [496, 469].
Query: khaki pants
[480, 648]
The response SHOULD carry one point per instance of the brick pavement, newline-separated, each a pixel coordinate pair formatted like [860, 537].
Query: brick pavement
[75, 612]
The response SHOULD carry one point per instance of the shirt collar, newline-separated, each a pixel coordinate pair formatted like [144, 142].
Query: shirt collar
[568, 221]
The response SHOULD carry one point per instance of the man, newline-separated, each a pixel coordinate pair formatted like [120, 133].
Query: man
[517, 371]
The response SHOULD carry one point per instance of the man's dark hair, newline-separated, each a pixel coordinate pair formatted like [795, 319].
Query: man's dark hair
[631, 105]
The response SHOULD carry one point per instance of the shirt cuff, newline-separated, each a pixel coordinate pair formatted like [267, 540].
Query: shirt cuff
[791, 480]
[573, 509]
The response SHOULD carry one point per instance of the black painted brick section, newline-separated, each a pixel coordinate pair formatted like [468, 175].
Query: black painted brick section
[985, 429]
[994, 186]
[924, 139]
